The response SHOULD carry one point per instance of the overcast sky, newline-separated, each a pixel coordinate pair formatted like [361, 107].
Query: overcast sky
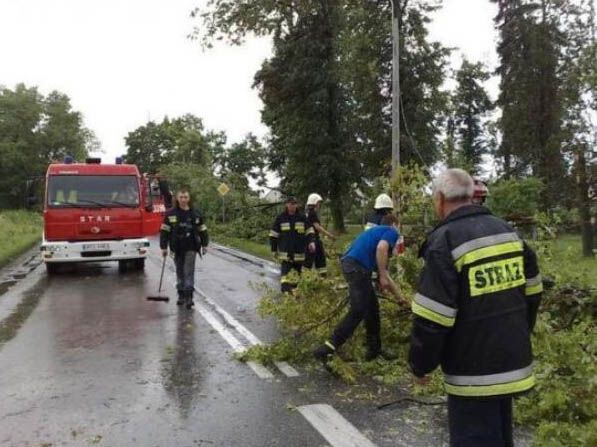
[123, 62]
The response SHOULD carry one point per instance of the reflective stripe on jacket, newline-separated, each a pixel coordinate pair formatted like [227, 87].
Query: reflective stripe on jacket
[290, 235]
[172, 220]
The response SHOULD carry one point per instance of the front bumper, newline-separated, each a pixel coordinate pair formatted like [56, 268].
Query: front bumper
[94, 251]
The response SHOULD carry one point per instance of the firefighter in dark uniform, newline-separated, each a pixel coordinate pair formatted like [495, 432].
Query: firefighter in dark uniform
[291, 235]
[184, 231]
[383, 206]
[475, 309]
[316, 259]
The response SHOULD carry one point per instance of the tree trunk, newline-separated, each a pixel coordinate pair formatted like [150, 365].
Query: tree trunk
[337, 215]
[331, 10]
[584, 205]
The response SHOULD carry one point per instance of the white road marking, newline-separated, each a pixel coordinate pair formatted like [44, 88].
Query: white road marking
[284, 367]
[333, 427]
[261, 371]
[236, 345]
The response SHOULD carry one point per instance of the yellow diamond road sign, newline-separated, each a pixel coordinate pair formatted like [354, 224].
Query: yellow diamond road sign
[223, 189]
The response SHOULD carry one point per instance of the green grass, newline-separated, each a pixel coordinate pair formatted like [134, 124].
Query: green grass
[352, 231]
[562, 260]
[20, 230]
[248, 246]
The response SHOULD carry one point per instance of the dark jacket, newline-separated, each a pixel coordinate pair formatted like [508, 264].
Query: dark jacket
[183, 231]
[290, 235]
[476, 306]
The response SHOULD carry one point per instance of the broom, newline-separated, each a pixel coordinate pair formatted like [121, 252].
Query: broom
[159, 297]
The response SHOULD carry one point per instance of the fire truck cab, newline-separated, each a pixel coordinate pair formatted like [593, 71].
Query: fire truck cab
[96, 212]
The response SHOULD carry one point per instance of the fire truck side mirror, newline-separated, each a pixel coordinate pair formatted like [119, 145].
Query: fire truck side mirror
[149, 208]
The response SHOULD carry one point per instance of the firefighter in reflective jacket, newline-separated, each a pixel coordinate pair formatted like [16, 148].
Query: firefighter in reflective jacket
[291, 235]
[184, 231]
[317, 258]
[474, 311]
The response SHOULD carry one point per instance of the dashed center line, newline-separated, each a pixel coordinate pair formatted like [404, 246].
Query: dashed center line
[284, 367]
[236, 345]
[333, 426]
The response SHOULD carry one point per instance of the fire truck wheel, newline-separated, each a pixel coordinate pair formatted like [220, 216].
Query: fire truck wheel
[52, 268]
[139, 264]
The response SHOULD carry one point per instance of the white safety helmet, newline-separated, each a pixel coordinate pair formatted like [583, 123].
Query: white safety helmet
[314, 199]
[383, 201]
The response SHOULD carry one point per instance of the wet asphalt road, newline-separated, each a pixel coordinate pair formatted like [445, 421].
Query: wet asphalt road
[91, 362]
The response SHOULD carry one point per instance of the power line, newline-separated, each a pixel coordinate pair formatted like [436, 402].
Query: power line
[412, 140]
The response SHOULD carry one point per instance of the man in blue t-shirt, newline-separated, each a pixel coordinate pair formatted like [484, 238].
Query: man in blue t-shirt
[369, 252]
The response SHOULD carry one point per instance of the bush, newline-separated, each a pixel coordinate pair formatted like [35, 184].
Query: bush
[411, 187]
[515, 197]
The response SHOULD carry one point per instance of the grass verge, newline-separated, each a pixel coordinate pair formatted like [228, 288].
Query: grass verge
[248, 246]
[20, 231]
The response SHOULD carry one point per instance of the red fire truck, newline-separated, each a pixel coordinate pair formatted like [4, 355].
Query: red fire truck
[100, 212]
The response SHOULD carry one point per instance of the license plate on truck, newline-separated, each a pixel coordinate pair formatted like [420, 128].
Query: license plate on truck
[96, 247]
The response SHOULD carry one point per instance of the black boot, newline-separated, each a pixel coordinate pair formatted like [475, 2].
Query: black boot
[190, 302]
[181, 298]
[381, 353]
[324, 353]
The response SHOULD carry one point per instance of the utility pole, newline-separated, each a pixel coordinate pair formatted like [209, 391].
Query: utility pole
[395, 86]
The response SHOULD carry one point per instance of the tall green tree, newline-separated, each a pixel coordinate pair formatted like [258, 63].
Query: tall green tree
[35, 131]
[180, 140]
[303, 107]
[149, 146]
[245, 160]
[301, 91]
[471, 105]
[579, 93]
[327, 89]
[530, 49]
[365, 43]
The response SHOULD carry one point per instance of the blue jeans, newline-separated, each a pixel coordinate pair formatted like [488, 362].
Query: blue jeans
[185, 270]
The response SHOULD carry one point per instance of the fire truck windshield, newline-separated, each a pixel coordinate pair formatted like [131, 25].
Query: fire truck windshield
[65, 191]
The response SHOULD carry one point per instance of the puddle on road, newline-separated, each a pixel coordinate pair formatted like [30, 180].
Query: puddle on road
[11, 325]
[7, 284]
[182, 368]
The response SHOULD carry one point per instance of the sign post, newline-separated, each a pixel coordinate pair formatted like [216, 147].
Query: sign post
[223, 189]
